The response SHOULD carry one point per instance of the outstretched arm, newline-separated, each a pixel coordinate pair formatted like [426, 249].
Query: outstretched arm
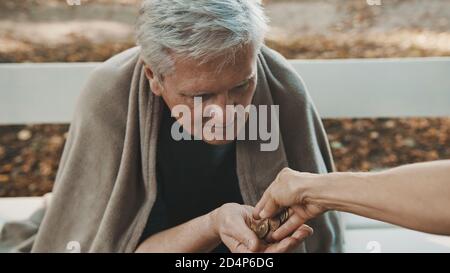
[415, 196]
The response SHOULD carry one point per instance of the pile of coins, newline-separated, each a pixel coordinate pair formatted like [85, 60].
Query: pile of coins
[264, 226]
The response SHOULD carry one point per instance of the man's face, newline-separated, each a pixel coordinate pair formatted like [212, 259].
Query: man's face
[235, 84]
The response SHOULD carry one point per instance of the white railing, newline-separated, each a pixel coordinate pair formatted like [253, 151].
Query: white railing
[46, 93]
[411, 87]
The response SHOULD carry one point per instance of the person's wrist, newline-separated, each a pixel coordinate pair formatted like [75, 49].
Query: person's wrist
[213, 222]
[318, 190]
[330, 190]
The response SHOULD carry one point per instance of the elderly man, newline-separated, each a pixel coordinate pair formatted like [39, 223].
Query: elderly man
[129, 180]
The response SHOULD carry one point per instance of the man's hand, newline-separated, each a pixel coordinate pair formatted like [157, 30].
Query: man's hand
[288, 190]
[232, 224]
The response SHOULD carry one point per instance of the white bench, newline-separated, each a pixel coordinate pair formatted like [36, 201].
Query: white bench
[412, 87]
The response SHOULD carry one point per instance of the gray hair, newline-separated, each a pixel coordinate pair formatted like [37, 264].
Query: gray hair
[198, 29]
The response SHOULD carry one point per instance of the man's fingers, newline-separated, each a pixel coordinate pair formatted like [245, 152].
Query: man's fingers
[234, 245]
[242, 249]
[243, 234]
[285, 245]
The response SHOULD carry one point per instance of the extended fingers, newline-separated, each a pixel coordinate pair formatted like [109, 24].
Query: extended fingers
[302, 232]
[291, 242]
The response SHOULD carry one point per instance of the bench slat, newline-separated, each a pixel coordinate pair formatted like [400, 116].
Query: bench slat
[47, 92]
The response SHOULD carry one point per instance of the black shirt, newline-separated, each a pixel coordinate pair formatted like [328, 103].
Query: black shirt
[193, 178]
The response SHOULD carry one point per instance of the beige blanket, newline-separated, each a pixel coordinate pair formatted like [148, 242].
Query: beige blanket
[106, 187]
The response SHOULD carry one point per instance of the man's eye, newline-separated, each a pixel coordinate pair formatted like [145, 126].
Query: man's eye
[242, 86]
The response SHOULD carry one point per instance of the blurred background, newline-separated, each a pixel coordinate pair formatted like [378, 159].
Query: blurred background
[53, 31]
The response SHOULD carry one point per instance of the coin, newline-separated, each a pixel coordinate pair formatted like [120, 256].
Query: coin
[284, 215]
[261, 228]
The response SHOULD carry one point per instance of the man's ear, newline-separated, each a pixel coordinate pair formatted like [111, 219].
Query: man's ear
[155, 85]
